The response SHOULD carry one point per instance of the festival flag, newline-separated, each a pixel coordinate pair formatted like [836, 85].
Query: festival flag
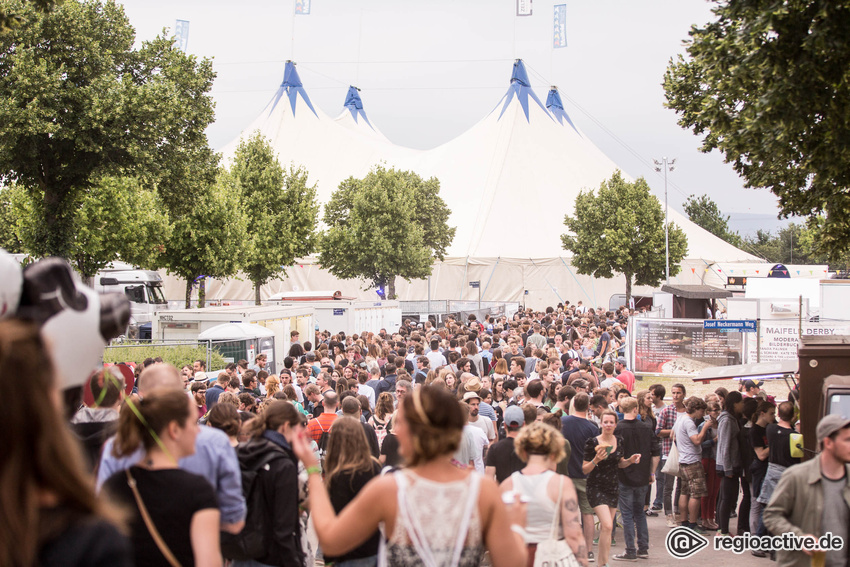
[693, 270]
[757, 271]
[798, 272]
[560, 24]
[181, 35]
[302, 7]
[523, 7]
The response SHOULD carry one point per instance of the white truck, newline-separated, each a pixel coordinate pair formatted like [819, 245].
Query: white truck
[142, 287]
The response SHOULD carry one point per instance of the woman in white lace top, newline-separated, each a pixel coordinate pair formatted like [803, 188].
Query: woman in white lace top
[434, 514]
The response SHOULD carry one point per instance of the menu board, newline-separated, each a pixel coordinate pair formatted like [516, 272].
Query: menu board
[682, 347]
[780, 339]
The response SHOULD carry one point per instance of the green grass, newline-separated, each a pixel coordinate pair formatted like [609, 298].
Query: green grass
[776, 388]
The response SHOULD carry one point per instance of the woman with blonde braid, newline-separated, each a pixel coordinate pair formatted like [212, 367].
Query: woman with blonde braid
[272, 386]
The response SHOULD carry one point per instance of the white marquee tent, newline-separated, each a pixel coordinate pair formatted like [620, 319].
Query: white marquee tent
[509, 180]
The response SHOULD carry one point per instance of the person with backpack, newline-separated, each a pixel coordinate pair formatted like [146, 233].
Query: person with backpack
[319, 427]
[272, 532]
[380, 419]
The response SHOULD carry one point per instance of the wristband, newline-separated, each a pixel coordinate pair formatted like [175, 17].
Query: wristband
[314, 470]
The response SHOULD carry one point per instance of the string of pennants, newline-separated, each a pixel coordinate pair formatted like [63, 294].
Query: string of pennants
[769, 272]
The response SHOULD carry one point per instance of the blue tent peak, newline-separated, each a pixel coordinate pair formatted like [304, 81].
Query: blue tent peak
[354, 105]
[519, 75]
[556, 108]
[352, 99]
[521, 89]
[291, 87]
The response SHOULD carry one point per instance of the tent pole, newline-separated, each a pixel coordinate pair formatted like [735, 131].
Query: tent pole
[499, 259]
[581, 287]
[555, 291]
[463, 283]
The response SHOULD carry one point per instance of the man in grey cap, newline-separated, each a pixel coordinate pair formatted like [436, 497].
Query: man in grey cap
[813, 498]
[502, 460]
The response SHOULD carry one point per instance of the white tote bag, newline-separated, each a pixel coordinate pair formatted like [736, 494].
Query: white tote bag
[555, 552]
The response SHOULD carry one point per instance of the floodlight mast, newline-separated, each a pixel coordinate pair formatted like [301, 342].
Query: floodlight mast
[665, 166]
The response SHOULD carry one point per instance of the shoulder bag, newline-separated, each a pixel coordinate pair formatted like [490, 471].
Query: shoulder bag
[143, 510]
[555, 551]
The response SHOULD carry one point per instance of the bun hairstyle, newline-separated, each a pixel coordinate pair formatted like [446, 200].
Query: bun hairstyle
[226, 418]
[275, 414]
[540, 439]
[436, 423]
[142, 420]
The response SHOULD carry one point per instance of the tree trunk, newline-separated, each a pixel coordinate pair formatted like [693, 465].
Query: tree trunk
[390, 287]
[188, 293]
[57, 231]
[202, 293]
[257, 295]
[628, 289]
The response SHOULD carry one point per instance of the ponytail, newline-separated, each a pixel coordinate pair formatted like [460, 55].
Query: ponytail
[275, 414]
[142, 420]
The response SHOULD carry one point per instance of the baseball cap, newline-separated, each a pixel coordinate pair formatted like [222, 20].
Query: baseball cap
[622, 360]
[470, 395]
[830, 424]
[514, 417]
[752, 384]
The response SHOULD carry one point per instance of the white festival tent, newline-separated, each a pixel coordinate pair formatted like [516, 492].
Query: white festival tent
[509, 181]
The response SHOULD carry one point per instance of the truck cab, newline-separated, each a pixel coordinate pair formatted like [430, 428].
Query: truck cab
[142, 287]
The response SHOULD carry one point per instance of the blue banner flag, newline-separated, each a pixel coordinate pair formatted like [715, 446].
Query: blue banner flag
[302, 7]
[181, 35]
[560, 24]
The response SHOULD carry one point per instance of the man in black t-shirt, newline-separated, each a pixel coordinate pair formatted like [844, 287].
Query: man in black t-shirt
[502, 460]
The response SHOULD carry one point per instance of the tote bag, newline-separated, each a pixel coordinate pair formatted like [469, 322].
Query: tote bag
[553, 551]
[671, 467]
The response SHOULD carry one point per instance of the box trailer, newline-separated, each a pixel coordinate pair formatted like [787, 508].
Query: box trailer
[188, 324]
[348, 315]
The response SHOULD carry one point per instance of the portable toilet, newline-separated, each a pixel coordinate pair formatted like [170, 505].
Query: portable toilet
[235, 341]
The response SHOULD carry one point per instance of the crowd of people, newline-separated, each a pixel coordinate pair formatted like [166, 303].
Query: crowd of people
[525, 439]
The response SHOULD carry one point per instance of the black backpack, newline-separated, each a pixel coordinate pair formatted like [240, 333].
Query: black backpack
[252, 542]
[323, 440]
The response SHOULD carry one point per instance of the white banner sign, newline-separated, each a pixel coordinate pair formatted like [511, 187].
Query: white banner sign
[780, 340]
[523, 7]
[181, 35]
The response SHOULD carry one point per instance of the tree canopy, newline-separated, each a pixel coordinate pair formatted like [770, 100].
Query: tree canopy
[79, 103]
[704, 211]
[209, 239]
[115, 220]
[766, 85]
[620, 229]
[279, 207]
[390, 223]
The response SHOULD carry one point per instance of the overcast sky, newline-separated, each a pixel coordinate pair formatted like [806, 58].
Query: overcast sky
[430, 69]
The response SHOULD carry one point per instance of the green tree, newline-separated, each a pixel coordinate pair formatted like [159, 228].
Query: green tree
[9, 239]
[766, 84]
[391, 223]
[115, 220]
[78, 103]
[208, 240]
[621, 229]
[9, 19]
[704, 211]
[280, 208]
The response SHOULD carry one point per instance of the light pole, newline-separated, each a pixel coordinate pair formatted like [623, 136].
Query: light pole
[666, 166]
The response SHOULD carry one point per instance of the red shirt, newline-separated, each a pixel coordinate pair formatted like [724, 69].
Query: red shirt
[628, 379]
[320, 424]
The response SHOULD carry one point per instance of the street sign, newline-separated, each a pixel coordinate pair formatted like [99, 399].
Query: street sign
[475, 285]
[740, 326]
